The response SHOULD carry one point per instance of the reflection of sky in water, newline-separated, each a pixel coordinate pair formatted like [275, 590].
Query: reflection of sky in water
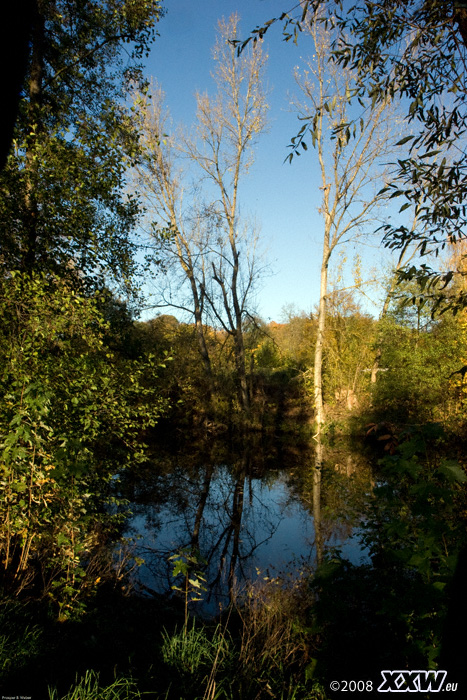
[276, 534]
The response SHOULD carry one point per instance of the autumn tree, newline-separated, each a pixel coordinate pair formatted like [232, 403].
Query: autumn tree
[349, 165]
[205, 236]
[295, 337]
[181, 238]
[228, 126]
[390, 291]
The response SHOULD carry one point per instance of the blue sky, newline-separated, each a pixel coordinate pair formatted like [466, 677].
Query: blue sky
[282, 197]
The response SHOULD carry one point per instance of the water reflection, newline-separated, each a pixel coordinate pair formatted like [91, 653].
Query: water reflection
[262, 508]
[316, 499]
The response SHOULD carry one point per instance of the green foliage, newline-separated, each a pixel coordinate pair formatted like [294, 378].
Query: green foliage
[347, 351]
[411, 52]
[263, 656]
[296, 338]
[416, 526]
[63, 206]
[74, 408]
[412, 383]
[187, 563]
[267, 355]
[419, 506]
[431, 179]
[184, 380]
[89, 688]
[73, 415]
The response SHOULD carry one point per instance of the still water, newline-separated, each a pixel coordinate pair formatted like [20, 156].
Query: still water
[247, 511]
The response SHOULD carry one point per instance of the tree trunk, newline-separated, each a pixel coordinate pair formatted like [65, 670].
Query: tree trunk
[318, 368]
[202, 347]
[240, 359]
[240, 367]
[185, 258]
[201, 506]
[317, 501]
[237, 514]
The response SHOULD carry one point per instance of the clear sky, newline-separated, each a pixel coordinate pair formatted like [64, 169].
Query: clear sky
[283, 198]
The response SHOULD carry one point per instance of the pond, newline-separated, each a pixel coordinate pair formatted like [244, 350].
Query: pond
[245, 511]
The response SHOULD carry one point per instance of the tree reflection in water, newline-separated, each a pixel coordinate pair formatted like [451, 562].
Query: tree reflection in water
[259, 510]
[317, 469]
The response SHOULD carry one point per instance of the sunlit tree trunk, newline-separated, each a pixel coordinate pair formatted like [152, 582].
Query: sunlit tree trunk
[348, 164]
[318, 362]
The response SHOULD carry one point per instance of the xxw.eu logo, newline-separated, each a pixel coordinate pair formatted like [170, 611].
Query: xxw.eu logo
[414, 682]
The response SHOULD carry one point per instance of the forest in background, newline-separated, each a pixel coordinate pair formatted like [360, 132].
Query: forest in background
[88, 390]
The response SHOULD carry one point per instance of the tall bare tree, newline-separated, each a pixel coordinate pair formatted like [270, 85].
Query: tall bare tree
[349, 164]
[205, 236]
[182, 235]
[228, 126]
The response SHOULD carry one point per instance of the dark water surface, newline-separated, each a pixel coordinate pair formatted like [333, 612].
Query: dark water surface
[247, 511]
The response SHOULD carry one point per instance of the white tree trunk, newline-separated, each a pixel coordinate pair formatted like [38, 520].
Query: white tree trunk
[318, 368]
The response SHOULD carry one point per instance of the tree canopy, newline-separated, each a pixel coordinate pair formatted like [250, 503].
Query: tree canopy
[62, 201]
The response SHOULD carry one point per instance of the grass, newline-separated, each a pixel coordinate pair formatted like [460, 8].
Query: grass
[129, 648]
[89, 688]
[193, 650]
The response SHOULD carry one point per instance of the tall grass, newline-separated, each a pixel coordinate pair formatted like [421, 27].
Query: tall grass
[262, 650]
[88, 688]
[273, 647]
[193, 651]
